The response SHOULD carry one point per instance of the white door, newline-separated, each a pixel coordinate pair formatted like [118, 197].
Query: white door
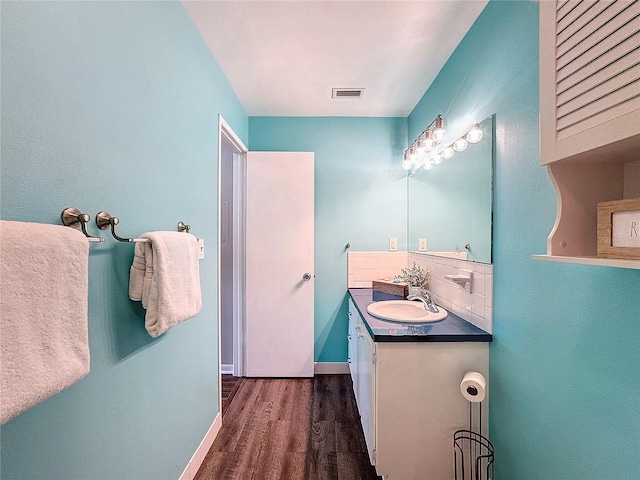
[279, 264]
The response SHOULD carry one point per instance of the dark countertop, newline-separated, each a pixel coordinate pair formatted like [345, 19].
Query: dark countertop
[451, 329]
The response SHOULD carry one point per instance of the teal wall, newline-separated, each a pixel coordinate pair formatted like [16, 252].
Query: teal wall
[113, 106]
[565, 360]
[360, 198]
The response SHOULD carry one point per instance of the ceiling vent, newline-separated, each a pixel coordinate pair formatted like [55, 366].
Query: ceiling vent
[347, 93]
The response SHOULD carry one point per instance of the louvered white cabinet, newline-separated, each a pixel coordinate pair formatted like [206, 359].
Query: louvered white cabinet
[589, 117]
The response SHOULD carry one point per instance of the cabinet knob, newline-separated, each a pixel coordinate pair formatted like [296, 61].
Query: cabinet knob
[306, 277]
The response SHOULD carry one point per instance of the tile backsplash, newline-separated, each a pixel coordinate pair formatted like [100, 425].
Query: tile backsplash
[364, 267]
[475, 307]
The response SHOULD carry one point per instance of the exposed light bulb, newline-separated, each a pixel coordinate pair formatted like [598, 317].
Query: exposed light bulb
[460, 145]
[428, 165]
[475, 134]
[439, 132]
[421, 147]
[447, 153]
[407, 163]
[428, 142]
[437, 160]
[412, 153]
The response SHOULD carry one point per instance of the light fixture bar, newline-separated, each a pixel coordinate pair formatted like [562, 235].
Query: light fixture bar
[430, 138]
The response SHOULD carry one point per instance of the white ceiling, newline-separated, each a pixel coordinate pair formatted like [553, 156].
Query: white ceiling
[283, 58]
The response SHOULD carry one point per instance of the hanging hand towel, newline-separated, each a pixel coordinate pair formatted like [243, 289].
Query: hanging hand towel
[165, 276]
[43, 309]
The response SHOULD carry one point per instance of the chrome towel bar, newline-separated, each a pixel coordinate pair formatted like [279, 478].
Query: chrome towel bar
[72, 217]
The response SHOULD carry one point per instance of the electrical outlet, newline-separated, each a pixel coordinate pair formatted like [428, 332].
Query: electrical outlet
[201, 248]
[422, 244]
[393, 244]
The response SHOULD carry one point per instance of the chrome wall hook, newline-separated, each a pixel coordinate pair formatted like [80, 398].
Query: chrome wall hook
[104, 220]
[74, 218]
[182, 227]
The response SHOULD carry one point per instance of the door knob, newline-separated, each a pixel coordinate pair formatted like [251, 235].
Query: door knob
[306, 277]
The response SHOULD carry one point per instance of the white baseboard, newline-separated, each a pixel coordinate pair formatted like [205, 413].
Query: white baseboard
[205, 445]
[331, 368]
[226, 369]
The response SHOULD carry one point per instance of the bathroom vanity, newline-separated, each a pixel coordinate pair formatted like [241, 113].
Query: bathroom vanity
[406, 380]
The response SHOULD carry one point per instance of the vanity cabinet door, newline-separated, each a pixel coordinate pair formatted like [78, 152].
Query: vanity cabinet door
[352, 338]
[366, 388]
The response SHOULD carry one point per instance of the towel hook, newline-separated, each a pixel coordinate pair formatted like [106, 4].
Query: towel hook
[182, 227]
[74, 218]
[104, 220]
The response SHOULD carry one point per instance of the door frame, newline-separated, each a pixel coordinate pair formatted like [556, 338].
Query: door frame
[226, 133]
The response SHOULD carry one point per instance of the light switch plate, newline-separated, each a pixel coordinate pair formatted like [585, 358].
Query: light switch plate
[201, 248]
[422, 244]
[393, 244]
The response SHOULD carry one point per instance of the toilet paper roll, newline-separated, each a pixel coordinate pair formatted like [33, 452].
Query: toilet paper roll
[473, 386]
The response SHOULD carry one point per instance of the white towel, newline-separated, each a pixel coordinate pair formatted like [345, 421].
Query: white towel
[165, 276]
[43, 309]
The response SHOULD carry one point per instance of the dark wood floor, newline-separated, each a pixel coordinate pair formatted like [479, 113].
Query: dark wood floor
[306, 429]
[230, 385]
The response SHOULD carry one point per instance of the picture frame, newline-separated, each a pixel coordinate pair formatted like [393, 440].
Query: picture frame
[619, 229]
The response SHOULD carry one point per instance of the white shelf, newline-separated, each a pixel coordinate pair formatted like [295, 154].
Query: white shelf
[591, 148]
[603, 262]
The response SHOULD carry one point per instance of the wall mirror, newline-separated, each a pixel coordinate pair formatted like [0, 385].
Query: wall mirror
[451, 205]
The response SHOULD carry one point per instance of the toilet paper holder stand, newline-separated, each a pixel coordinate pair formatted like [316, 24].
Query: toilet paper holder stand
[473, 452]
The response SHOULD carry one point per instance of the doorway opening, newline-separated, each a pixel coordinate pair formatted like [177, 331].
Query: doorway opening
[231, 194]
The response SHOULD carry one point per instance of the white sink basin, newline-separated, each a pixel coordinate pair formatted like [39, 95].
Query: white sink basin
[405, 311]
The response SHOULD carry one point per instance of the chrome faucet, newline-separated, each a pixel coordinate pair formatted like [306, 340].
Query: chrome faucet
[426, 299]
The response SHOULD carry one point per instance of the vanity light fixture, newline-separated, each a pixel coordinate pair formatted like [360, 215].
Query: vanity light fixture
[431, 137]
[475, 134]
[426, 142]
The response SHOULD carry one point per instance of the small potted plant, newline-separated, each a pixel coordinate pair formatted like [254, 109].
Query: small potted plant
[415, 277]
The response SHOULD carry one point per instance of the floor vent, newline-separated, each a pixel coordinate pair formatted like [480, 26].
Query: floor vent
[347, 93]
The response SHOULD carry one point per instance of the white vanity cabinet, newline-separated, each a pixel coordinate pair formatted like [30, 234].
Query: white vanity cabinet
[362, 351]
[409, 399]
[589, 117]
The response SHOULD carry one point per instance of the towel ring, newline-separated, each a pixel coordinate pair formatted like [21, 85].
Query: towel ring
[74, 218]
[104, 220]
